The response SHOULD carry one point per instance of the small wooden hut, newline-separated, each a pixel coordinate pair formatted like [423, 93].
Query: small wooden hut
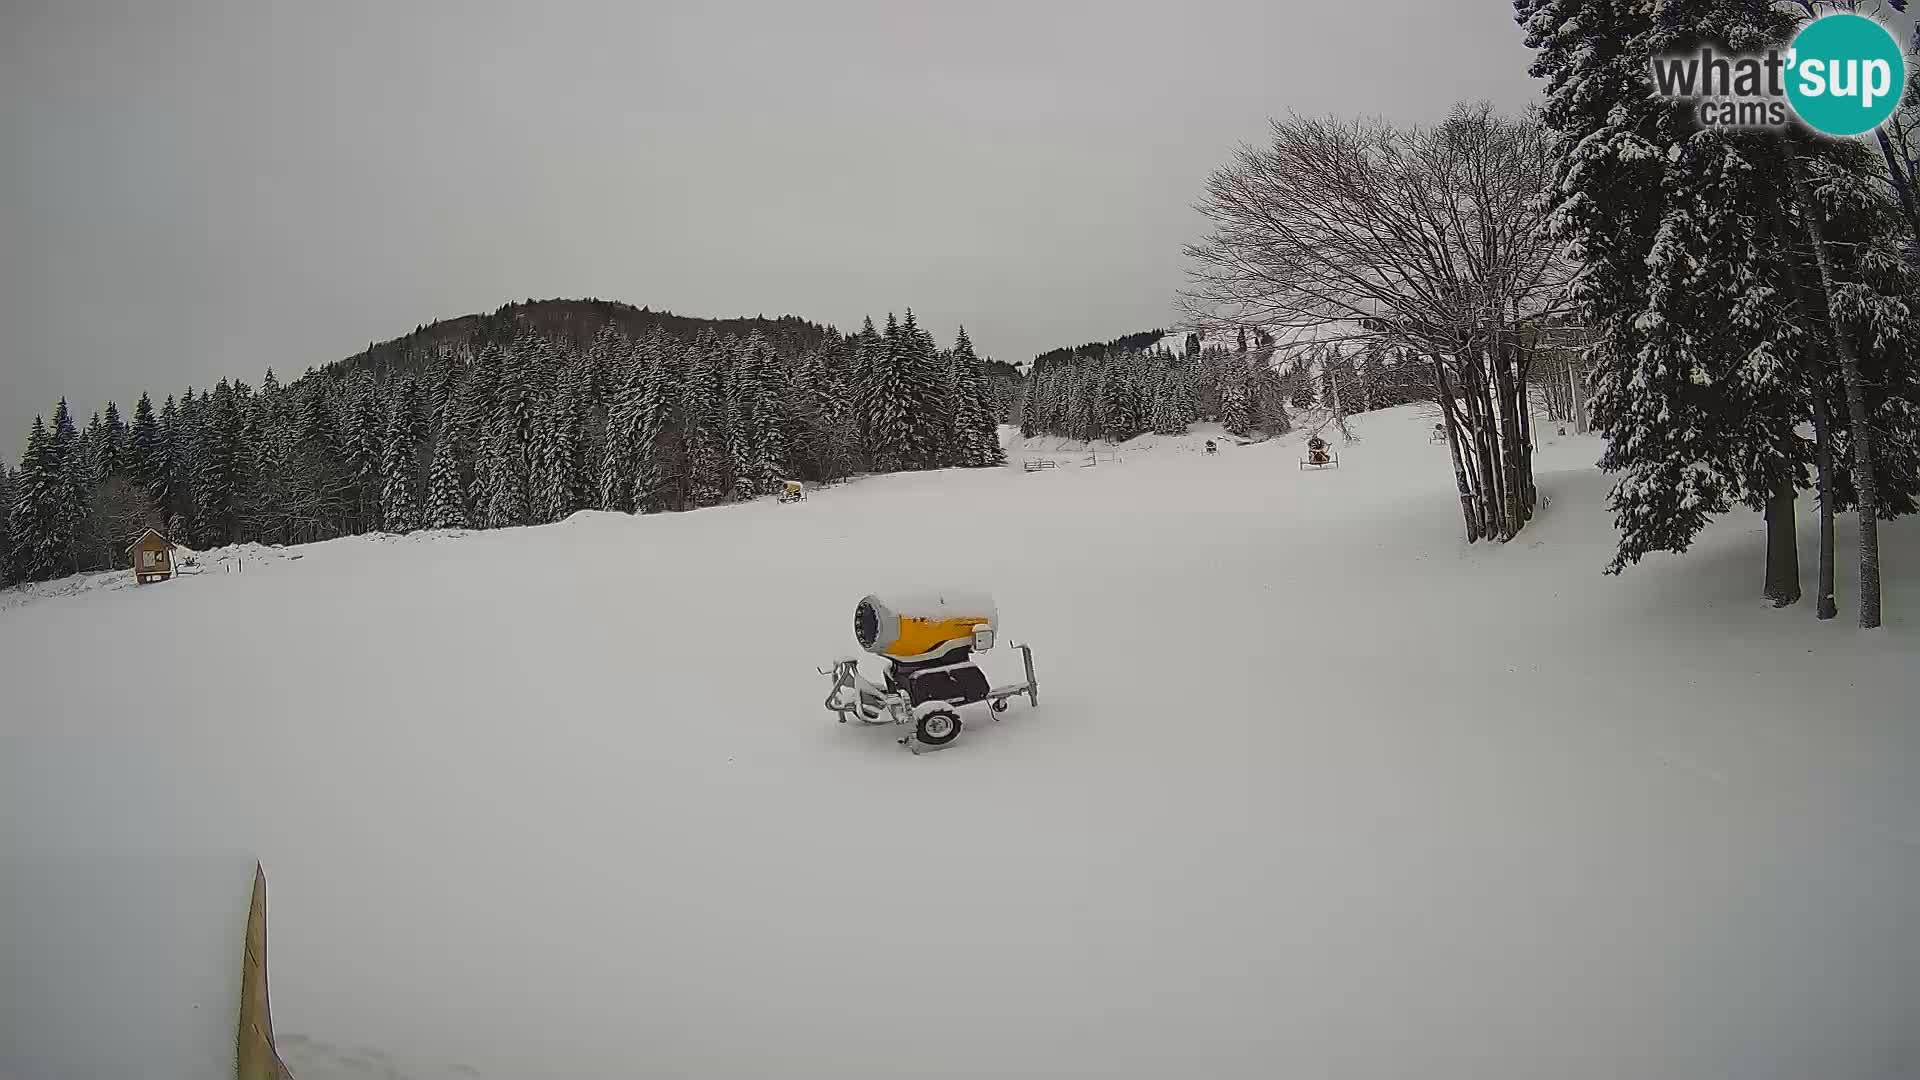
[152, 557]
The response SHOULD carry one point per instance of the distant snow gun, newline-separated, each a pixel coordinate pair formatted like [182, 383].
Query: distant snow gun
[1319, 456]
[928, 641]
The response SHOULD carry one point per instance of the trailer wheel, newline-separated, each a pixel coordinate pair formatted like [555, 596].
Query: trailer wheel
[999, 704]
[937, 727]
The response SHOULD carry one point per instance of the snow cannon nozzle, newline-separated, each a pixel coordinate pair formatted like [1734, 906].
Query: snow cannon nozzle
[921, 626]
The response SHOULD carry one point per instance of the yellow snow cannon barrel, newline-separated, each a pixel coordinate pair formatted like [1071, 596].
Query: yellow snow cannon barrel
[921, 626]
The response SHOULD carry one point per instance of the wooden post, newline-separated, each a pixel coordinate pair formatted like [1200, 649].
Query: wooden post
[255, 1057]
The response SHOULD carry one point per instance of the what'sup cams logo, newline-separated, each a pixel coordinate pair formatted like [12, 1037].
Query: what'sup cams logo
[1843, 75]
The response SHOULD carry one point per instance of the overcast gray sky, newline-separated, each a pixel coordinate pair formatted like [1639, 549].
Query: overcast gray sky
[196, 190]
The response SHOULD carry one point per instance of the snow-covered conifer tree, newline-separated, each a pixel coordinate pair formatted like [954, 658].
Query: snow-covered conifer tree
[363, 427]
[762, 393]
[865, 350]
[400, 503]
[556, 465]
[43, 520]
[503, 497]
[920, 378]
[1236, 410]
[1673, 227]
[446, 489]
[91, 439]
[659, 459]
[975, 433]
[619, 446]
[478, 395]
[216, 473]
[9, 488]
[888, 398]
[168, 486]
[111, 454]
[703, 426]
[144, 445]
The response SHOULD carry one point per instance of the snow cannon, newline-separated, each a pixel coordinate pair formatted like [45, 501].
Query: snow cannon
[1318, 455]
[928, 641]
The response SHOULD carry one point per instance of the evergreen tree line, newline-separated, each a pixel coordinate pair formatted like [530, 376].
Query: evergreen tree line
[1748, 293]
[521, 431]
[1117, 393]
[573, 324]
[1140, 341]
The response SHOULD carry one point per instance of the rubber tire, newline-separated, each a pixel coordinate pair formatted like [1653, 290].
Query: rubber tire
[999, 705]
[952, 727]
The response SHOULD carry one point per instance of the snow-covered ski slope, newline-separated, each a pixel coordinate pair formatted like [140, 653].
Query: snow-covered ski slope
[1313, 789]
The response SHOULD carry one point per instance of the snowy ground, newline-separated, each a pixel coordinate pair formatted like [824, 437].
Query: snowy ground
[1313, 789]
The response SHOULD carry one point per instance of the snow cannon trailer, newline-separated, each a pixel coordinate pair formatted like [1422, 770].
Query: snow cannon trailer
[1319, 456]
[928, 641]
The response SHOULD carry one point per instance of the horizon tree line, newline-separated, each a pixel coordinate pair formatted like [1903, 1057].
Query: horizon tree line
[1257, 388]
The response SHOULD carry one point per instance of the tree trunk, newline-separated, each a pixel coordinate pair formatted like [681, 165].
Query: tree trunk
[1862, 434]
[1523, 445]
[1580, 423]
[1487, 451]
[1507, 433]
[1823, 604]
[1467, 510]
[1333, 391]
[1518, 436]
[1330, 382]
[1783, 549]
[1479, 456]
[1527, 448]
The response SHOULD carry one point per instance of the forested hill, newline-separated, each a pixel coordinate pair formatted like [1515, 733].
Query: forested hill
[571, 324]
[522, 417]
[1126, 343]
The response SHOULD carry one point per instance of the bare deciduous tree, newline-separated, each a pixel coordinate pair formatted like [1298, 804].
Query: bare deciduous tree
[1426, 240]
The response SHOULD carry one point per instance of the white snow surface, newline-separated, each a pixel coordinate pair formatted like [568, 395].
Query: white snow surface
[121, 966]
[1313, 788]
